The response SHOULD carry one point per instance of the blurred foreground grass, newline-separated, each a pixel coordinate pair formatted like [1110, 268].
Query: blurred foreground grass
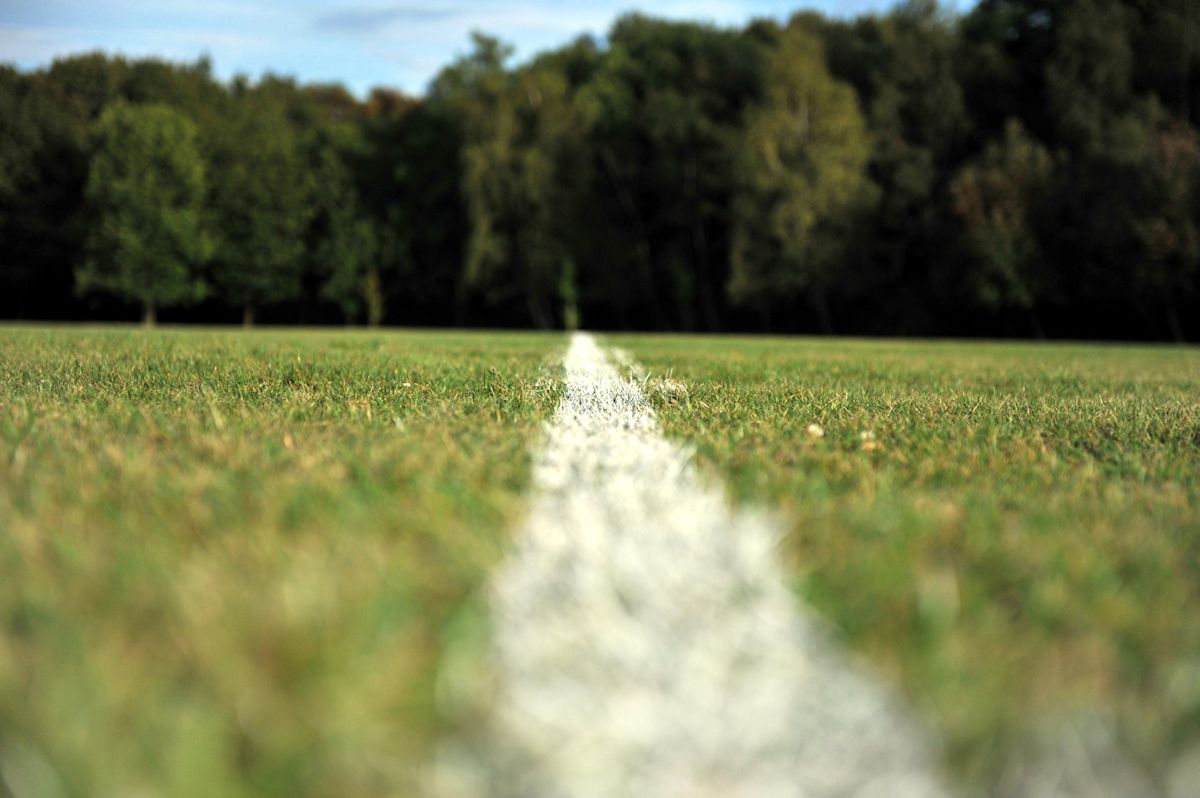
[1010, 532]
[230, 560]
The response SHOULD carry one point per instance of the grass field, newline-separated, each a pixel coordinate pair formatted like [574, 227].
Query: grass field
[231, 560]
[1012, 532]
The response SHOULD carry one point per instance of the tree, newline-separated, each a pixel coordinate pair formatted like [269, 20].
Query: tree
[343, 240]
[999, 198]
[261, 200]
[1089, 76]
[665, 109]
[1167, 44]
[21, 138]
[519, 131]
[1031, 159]
[803, 160]
[44, 137]
[145, 194]
[1168, 227]
[903, 67]
[408, 176]
[1003, 49]
[348, 256]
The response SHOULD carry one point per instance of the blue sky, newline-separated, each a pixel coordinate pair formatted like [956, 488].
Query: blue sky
[361, 43]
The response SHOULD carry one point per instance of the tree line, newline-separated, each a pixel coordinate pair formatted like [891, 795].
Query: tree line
[1028, 168]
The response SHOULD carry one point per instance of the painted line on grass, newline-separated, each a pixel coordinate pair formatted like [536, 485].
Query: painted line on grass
[645, 642]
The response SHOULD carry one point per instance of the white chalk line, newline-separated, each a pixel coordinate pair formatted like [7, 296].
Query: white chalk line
[645, 643]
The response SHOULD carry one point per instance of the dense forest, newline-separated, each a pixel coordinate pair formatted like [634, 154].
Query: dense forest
[1024, 169]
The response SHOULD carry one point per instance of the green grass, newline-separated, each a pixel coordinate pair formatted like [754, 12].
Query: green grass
[231, 560]
[1017, 540]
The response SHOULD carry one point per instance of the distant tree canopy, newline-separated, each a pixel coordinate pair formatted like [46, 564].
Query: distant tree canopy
[1000, 199]
[144, 197]
[803, 155]
[262, 200]
[1028, 168]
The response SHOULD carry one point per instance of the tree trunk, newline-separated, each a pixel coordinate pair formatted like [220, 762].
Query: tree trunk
[461, 297]
[538, 313]
[641, 239]
[824, 318]
[764, 315]
[149, 315]
[373, 293]
[683, 292]
[708, 303]
[1035, 324]
[1174, 325]
[248, 315]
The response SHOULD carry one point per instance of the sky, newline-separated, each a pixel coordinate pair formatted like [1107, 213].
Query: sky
[360, 43]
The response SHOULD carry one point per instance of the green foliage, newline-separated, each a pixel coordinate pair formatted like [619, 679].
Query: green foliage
[1089, 76]
[45, 147]
[520, 132]
[19, 136]
[904, 68]
[659, 161]
[1165, 39]
[804, 155]
[347, 254]
[88, 82]
[145, 193]
[343, 247]
[408, 179]
[665, 107]
[1167, 226]
[1000, 198]
[261, 203]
